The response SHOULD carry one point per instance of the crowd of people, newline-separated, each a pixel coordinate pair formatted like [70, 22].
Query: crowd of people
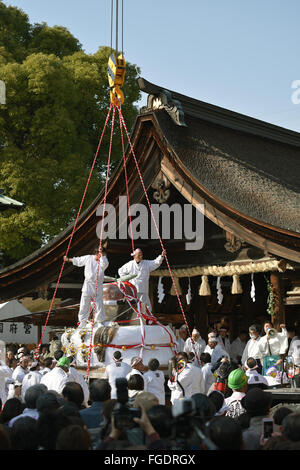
[212, 397]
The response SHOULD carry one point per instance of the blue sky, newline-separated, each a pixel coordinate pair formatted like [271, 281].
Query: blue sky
[241, 55]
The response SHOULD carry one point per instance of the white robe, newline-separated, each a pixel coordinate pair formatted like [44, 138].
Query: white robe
[5, 373]
[89, 286]
[237, 348]
[278, 344]
[32, 378]
[116, 370]
[294, 349]
[19, 374]
[156, 384]
[180, 344]
[198, 382]
[142, 271]
[56, 379]
[251, 350]
[225, 344]
[208, 377]
[135, 371]
[197, 348]
[77, 377]
[185, 379]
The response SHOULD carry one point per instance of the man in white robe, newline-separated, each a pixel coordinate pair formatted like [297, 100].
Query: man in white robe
[252, 347]
[155, 381]
[117, 369]
[58, 377]
[182, 382]
[196, 345]
[142, 269]
[90, 263]
[218, 351]
[238, 345]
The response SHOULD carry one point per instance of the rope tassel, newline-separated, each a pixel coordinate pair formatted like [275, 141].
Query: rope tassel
[160, 291]
[177, 284]
[219, 291]
[204, 287]
[236, 285]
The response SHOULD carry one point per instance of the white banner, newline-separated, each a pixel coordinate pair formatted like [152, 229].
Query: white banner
[21, 333]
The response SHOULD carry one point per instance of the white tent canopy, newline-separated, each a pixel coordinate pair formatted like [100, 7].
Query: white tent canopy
[12, 309]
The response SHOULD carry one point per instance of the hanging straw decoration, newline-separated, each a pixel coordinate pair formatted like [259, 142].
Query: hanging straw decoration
[160, 291]
[204, 287]
[219, 291]
[252, 292]
[236, 285]
[173, 291]
[189, 293]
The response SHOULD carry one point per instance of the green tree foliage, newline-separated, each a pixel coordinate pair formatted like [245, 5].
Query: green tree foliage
[57, 99]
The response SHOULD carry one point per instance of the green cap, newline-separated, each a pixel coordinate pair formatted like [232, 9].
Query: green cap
[63, 362]
[237, 379]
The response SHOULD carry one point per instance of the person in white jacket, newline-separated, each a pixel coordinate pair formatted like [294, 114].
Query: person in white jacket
[91, 268]
[155, 381]
[32, 378]
[252, 348]
[142, 269]
[276, 345]
[58, 377]
[181, 383]
[117, 369]
[196, 345]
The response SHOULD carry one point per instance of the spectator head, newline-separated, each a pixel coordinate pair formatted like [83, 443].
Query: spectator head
[137, 363]
[24, 434]
[280, 414]
[24, 361]
[183, 332]
[237, 380]
[244, 335]
[218, 399]
[73, 437]
[212, 342]
[195, 334]
[99, 390]
[48, 362]
[146, 399]
[291, 427]
[12, 363]
[72, 392]
[49, 424]
[226, 433]
[135, 382]
[204, 406]
[205, 358]
[47, 401]
[32, 394]
[253, 331]
[153, 364]
[251, 363]
[58, 354]
[117, 356]
[12, 408]
[256, 402]
[191, 357]
[223, 331]
[160, 417]
[182, 356]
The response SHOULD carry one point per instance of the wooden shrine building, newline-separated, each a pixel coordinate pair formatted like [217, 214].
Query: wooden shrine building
[243, 172]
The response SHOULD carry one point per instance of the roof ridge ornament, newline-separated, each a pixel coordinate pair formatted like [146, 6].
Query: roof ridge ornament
[160, 98]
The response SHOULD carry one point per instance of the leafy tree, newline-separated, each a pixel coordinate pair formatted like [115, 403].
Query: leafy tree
[56, 104]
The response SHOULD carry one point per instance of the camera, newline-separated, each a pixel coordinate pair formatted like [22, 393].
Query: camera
[123, 414]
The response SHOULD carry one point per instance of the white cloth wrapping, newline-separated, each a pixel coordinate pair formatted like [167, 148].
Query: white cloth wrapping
[142, 271]
[278, 344]
[89, 286]
[252, 350]
[156, 384]
[197, 348]
[237, 348]
[255, 378]
[32, 378]
[116, 370]
[56, 379]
